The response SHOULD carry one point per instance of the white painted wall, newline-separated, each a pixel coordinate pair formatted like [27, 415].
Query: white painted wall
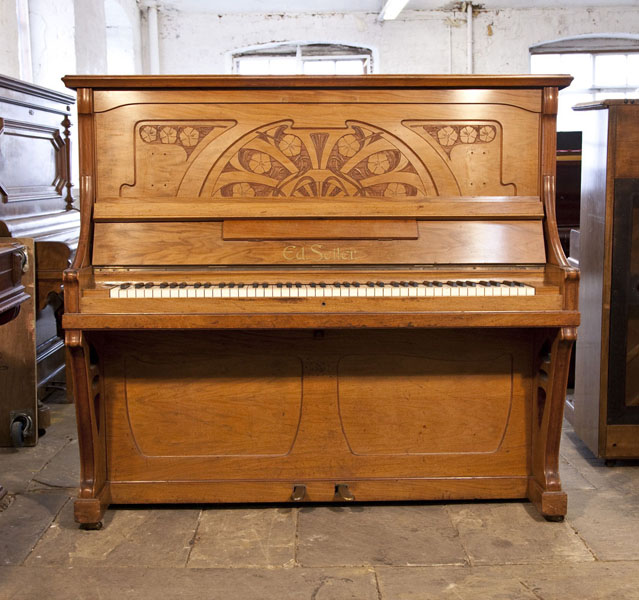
[52, 41]
[418, 42]
[90, 36]
[9, 56]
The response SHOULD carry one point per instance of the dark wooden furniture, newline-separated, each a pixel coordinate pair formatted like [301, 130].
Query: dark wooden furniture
[13, 263]
[605, 412]
[36, 203]
[374, 370]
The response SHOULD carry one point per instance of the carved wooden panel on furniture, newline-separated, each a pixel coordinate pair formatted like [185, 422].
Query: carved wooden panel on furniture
[386, 150]
[214, 406]
[405, 404]
[255, 412]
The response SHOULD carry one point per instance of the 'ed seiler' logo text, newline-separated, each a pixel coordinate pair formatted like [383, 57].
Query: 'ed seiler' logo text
[318, 252]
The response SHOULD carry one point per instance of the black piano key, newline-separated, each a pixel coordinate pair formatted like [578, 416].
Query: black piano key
[138, 286]
[495, 283]
[428, 283]
[322, 284]
[356, 284]
[313, 284]
[298, 284]
[207, 285]
[255, 285]
[346, 284]
[337, 284]
[470, 283]
[279, 285]
[164, 285]
[221, 285]
[380, 284]
[394, 283]
[231, 285]
[370, 284]
[197, 284]
[148, 285]
[520, 284]
[484, 283]
[240, 285]
[124, 286]
[289, 285]
[451, 283]
[413, 284]
[438, 284]
[265, 285]
[173, 284]
[509, 283]
[182, 285]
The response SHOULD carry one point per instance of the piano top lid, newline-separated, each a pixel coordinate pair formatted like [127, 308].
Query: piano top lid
[602, 104]
[121, 82]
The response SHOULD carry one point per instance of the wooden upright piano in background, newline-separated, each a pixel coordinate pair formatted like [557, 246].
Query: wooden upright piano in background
[605, 410]
[36, 203]
[318, 289]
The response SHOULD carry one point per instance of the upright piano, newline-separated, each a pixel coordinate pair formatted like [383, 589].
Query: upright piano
[318, 289]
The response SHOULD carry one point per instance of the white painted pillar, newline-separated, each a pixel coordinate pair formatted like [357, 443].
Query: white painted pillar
[469, 37]
[153, 38]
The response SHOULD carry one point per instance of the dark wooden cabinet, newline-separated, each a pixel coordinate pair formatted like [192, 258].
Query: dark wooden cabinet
[605, 410]
[36, 204]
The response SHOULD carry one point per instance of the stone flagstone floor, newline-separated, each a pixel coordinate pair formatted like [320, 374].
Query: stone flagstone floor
[456, 551]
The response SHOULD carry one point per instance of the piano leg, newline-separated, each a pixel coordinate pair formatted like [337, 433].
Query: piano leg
[544, 486]
[94, 495]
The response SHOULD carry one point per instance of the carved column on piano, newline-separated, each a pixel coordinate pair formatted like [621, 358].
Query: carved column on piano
[66, 123]
[87, 168]
[94, 495]
[549, 393]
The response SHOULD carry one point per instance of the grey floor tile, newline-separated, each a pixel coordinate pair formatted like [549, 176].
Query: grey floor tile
[514, 533]
[623, 476]
[451, 583]
[608, 521]
[571, 581]
[147, 536]
[24, 522]
[571, 478]
[62, 471]
[377, 535]
[27, 583]
[245, 537]
[19, 466]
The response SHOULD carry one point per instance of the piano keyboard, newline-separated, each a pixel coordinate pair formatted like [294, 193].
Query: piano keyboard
[376, 289]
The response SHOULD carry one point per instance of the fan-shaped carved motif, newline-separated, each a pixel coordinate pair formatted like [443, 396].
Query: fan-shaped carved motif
[280, 160]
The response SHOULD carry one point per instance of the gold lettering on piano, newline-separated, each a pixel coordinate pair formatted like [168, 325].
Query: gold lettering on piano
[318, 252]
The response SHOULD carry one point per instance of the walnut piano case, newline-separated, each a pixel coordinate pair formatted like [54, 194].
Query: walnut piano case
[318, 289]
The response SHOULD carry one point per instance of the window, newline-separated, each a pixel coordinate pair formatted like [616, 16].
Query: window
[303, 59]
[601, 67]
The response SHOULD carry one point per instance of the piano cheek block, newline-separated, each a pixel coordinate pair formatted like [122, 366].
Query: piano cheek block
[309, 310]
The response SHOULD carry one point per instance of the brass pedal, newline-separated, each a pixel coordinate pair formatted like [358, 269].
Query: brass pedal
[343, 493]
[299, 493]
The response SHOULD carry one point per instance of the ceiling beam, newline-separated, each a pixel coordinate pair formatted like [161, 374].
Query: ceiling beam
[391, 9]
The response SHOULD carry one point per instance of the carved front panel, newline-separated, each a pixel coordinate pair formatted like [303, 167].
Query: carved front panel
[298, 149]
[297, 405]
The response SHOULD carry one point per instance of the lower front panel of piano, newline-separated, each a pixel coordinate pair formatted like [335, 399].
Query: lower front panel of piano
[238, 416]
